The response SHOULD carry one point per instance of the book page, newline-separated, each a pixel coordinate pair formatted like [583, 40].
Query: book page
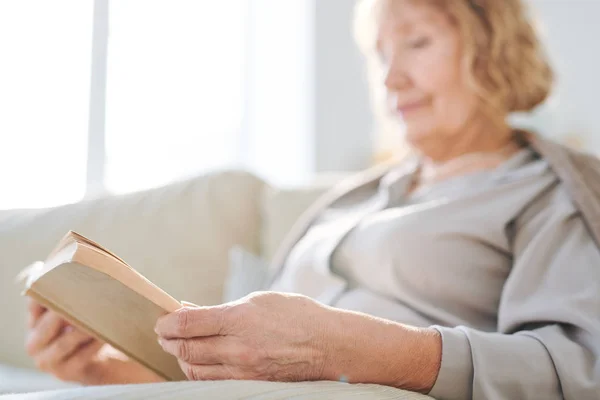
[82, 239]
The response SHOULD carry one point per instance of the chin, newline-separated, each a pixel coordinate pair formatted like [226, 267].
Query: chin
[429, 142]
[419, 137]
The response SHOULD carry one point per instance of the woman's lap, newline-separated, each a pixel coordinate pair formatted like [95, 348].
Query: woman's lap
[225, 390]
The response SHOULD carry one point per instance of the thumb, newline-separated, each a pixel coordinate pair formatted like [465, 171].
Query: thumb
[190, 322]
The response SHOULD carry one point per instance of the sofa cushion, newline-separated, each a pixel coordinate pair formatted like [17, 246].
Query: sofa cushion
[177, 236]
[228, 390]
[281, 208]
[247, 273]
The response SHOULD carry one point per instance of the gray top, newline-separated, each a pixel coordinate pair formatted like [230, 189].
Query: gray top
[499, 262]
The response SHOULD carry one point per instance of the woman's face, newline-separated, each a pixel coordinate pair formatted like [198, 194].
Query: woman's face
[421, 51]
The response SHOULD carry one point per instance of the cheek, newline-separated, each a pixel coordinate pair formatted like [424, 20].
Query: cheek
[438, 67]
[440, 76]
[456, 106]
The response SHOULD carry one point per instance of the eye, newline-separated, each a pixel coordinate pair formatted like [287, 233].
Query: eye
[419, 43]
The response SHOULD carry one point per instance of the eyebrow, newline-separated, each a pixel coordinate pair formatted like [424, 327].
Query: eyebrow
[403, 29]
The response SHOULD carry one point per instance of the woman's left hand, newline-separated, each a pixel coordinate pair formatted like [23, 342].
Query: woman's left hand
[283, 337]
[264, 336]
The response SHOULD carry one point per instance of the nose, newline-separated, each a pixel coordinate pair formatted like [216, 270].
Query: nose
[396, 78]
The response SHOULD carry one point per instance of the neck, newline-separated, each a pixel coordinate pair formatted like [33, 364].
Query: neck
[476, 139]
[473, 151]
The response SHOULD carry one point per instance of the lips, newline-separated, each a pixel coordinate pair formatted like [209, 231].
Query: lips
[408, 107]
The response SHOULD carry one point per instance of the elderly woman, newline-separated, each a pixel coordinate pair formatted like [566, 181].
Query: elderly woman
[469, 271]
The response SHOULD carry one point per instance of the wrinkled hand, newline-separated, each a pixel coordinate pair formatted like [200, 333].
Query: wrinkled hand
[71, 354]
[264, 336]
[58, 348]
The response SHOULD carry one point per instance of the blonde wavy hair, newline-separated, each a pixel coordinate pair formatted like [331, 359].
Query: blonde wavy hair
[504, 60]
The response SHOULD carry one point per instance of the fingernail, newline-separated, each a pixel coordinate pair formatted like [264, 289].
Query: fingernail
[160, 342]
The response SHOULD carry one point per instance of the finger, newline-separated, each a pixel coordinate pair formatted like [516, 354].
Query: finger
[208, 372]
[81, 359]
[203, 351]
[61, 349]
[192, 322]
[35, 311]
[46, 330]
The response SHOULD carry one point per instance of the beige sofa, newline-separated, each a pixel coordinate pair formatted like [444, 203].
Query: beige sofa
[179, 236]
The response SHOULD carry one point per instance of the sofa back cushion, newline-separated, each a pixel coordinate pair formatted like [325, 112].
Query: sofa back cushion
[281, 208]
[177, 236]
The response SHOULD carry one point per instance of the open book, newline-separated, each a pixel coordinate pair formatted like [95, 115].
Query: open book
[98, 292]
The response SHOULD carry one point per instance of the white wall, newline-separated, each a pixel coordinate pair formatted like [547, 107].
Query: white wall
[570, 31]
[280, 93]
[308, 109]
[343, 119]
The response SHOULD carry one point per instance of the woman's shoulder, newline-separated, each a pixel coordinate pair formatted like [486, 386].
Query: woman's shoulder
[574, 166]
[555, 201]
[579, 174]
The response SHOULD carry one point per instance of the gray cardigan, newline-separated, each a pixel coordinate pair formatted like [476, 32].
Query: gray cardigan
[579, 172]
[569, 367]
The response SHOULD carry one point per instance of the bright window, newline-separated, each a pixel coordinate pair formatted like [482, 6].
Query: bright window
[174, 80]
[45, 47]
[175, 89]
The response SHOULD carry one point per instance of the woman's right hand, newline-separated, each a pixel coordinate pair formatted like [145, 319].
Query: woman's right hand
[72, 355]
